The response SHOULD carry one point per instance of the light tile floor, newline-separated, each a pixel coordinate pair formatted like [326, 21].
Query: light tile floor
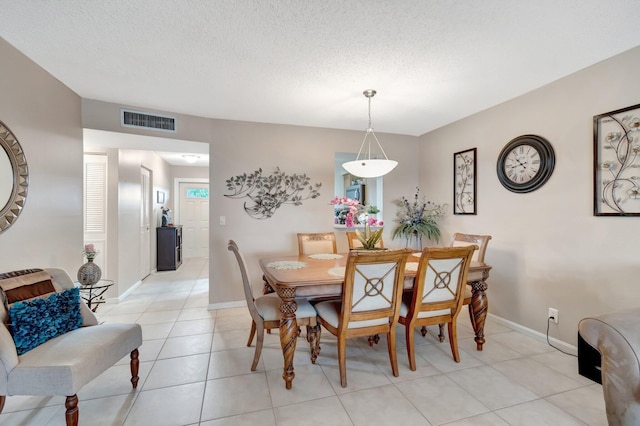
[195, 370]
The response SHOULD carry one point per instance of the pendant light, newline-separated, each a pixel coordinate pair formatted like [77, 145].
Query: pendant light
[366, 166]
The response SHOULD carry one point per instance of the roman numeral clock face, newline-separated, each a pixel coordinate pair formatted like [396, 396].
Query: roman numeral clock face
[525, 163]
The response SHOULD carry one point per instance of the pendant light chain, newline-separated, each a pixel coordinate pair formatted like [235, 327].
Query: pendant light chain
[370, 113]
[370, 167]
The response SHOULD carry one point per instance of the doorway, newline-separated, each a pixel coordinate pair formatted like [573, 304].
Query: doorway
[193, 209]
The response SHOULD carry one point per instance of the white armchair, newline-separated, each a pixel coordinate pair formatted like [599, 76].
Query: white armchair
[64, 364]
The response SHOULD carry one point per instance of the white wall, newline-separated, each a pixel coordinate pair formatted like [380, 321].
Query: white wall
[548, 250]
[44, 115]
[123, 210]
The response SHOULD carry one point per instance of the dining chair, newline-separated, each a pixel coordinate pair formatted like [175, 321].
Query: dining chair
[462, 240]
[371, 296]
[355, 243]
[437, 294]
[265, 310]
[316, 243]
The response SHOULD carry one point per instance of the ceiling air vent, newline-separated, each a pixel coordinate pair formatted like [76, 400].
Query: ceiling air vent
[143, 120]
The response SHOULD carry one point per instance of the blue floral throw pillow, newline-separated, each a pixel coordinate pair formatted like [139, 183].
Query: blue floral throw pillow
[35, 321]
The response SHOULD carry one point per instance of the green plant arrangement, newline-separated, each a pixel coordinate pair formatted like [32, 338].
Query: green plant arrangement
[417, 219]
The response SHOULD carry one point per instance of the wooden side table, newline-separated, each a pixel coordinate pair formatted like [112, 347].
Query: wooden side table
[94, 294]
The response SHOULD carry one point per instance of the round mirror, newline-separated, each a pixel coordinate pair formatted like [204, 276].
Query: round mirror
[14, 178]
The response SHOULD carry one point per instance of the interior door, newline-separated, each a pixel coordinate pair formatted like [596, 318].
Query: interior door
[145, 222]
[194, 216]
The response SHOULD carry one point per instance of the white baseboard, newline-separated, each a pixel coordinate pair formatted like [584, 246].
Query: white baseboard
[123, 295]
[534, 334]
[226, 305]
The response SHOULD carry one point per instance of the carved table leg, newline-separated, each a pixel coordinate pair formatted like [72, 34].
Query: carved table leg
[71, 404]
[135, 364]
[288, 331]
[478, 311]
[313, 337]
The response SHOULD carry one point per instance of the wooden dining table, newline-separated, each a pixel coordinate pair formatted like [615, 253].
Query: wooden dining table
[322, 275]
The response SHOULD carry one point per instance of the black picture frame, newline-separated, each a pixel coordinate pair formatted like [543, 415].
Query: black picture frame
[616, 162]
[160, 197]
[464, 182]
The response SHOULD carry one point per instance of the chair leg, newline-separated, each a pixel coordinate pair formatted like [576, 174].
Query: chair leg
[3, 398]
[423, 330]
[453, 340]
[441, 332]
[135, 365]
[252, 332]
[374, 339]
[391, 346]
[342, 361]
[313, 337]
[71, 404]
[259, 341]
[411, 350]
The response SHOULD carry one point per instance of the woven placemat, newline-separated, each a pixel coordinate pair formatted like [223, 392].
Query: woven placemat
[287, 264]
[337, 271]
[325, 256]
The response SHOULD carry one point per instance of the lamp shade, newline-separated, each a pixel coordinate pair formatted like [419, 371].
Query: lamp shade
[369, 168]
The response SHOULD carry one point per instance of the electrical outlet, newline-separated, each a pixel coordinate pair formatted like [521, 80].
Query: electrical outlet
[553, 314]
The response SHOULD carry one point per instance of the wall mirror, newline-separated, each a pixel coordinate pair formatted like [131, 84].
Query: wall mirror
[14, 178]
[367, 191]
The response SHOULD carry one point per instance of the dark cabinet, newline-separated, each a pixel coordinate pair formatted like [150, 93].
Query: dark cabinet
[169, 247]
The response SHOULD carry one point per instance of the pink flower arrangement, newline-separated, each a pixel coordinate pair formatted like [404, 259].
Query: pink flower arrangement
[355, 210]
[90, 251]
[368, 238]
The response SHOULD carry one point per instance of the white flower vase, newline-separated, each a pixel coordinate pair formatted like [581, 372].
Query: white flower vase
[414, 241]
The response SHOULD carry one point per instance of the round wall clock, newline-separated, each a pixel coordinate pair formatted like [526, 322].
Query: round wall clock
[525, 163]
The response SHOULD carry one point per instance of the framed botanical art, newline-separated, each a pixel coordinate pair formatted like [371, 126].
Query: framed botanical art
[616, 160]
[464, 182]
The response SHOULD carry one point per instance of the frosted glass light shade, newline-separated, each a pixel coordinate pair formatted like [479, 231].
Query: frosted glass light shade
[369, 168]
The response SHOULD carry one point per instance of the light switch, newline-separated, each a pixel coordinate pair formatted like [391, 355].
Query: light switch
[223, 220]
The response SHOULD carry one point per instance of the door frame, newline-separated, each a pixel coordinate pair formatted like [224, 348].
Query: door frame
[150, 220]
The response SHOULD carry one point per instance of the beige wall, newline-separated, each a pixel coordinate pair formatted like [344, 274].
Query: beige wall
[244, 147]
[44, 115]
[548, 250]
[189, 172]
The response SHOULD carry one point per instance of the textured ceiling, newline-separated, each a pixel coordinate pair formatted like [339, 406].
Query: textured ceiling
[307, 62]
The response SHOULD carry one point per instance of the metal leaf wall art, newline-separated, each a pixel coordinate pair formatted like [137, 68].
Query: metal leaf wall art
[268, 193]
